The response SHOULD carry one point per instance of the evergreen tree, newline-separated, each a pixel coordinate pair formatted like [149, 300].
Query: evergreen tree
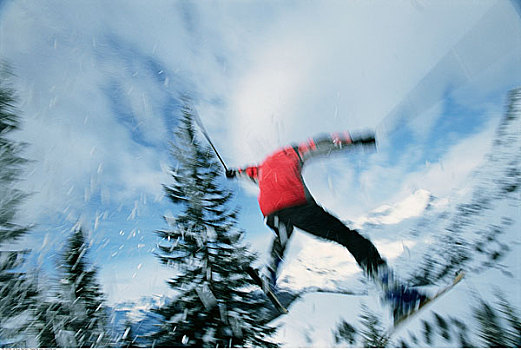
[16, 290]
[373, 331]
[500, 325]
[345, 333]
[512, 320]
[81, 315]
[213, 306]
[44, 322]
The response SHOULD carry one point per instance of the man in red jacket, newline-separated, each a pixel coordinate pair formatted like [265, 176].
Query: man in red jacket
[286, 202]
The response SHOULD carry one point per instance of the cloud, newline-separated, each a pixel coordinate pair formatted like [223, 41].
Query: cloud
[328, 68]
[382, 183]
[265, 75]
[93, 107]
[325, 68]
[443, 177]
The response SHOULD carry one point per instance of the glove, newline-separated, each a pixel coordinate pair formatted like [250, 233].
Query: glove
[231, 173]
[366, 139]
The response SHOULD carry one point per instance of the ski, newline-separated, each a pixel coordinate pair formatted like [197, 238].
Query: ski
[267, 291]
[400, 321]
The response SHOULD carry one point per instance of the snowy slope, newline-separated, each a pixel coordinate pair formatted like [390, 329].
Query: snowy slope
[426, 240]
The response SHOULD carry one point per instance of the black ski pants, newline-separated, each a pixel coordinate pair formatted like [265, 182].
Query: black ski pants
[313, 219]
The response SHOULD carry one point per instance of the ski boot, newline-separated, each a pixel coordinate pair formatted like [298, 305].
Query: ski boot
[384, 278]
[402, 299]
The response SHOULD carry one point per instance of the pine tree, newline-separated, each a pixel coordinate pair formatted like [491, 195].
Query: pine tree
[17, 292]
[512, 319]
[500, 325]
[81, 315]
[44, 322]
[373, 331]
[345, 333]
[213, 306]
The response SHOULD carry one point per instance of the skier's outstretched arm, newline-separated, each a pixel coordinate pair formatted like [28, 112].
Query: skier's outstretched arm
[325, 144]
[250, 172]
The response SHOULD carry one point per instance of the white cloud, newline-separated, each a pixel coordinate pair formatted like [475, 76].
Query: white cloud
[65, 69]
[388, 184]
[326, 68]
[443, 177]
[309, 69]
[267, 74]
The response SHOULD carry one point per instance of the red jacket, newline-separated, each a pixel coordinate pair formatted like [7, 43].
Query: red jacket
[279, 176]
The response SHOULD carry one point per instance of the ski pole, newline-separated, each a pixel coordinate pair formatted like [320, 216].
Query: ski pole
[205, 134]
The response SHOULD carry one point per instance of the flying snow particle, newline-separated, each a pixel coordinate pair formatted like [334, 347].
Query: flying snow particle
[133, 213]
[125, 335]
[100, 337]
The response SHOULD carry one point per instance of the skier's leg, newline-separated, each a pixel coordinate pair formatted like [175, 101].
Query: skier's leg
[314, 219]
[283, 231]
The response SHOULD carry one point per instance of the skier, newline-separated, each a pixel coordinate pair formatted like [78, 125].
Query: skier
[286, 203]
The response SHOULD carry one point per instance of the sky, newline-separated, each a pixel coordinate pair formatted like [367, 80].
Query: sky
[99, 85]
